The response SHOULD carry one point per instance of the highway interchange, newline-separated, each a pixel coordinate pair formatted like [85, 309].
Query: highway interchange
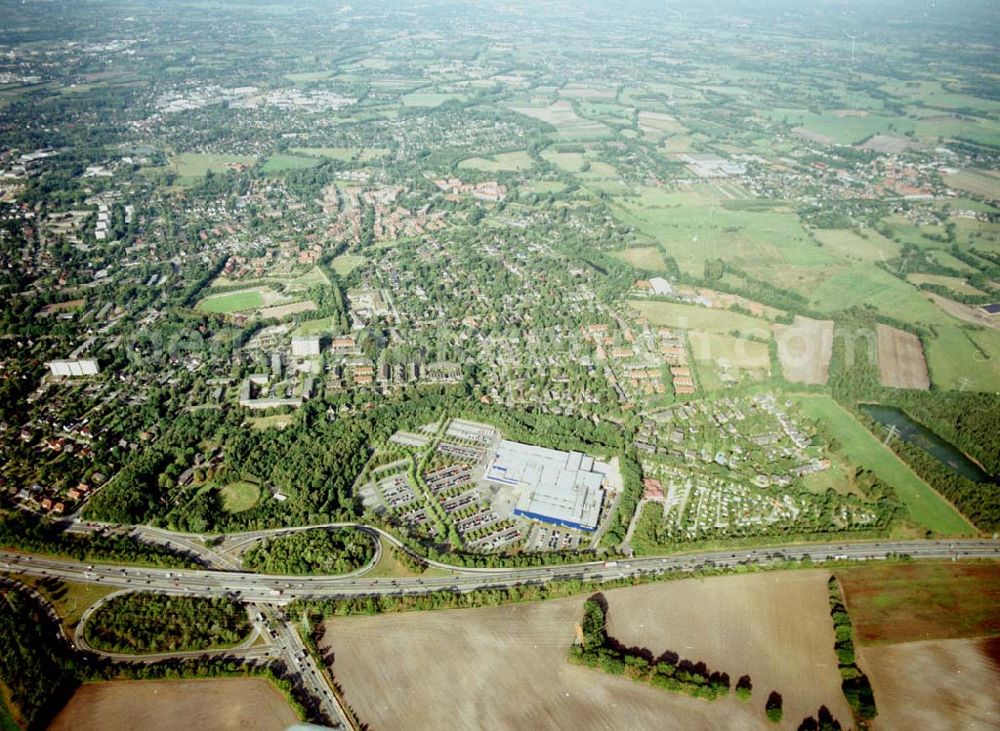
[265, 595]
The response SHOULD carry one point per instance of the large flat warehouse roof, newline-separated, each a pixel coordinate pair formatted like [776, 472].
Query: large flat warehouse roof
[553, 486]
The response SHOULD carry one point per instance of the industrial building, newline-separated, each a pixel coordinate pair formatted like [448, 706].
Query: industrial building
[74, 368]
[561, 488]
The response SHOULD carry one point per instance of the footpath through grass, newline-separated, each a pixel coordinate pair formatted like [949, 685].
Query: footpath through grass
[926, 507]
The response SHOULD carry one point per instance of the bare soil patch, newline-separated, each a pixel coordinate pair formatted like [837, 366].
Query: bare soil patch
[153, 705]
[292, 308]
[804, 349]
[901, 361]
[943, 684]
[506, 667]
[889, 144]
[964, 312]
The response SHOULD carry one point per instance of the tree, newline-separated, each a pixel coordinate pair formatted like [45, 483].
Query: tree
[773, 707]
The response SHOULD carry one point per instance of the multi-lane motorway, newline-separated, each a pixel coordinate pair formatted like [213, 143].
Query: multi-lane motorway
[278, 590]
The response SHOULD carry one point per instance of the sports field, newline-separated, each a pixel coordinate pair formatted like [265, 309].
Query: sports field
[242, 301]
[239, 496]
[926, 507]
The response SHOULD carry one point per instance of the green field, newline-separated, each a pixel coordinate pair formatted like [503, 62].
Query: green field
[845, 243]
[693, 317]
[427, 99]
[192, 166]
[693, 226]
[239, 496]
[570, 162]
[643, 257]
[955, 284]
[275, 421]
[321, 326]
[568, 126]
[954, 361]
[283, 163]
[248, 299]
[866, 284]
[978, 182]
[304, 77]
[346, 263]
[740, 353]
[503, 162]
[544, 187]
[344, 154]
[926, 507]
[841, 130]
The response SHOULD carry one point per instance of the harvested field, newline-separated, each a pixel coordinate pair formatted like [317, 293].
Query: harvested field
[804, 349]
[775, 627]
[292, 308]
[922, 601]
[940, 684]
[151, 705]
[901, 361]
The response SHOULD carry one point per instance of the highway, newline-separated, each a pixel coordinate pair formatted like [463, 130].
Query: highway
[279, 590]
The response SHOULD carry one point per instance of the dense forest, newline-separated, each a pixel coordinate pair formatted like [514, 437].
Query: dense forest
[154, 623]
[312, 552]
[35, 664]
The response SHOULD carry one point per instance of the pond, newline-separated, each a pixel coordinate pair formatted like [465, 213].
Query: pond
[927, 440]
